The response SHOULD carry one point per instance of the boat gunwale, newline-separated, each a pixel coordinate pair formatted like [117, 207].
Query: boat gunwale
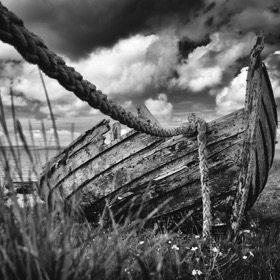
[229, 117]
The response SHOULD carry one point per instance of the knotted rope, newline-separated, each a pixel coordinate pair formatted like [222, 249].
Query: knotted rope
[33, 49]
[204, 178]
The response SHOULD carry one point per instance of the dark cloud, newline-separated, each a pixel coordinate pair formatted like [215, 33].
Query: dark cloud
[77, 27]
[186, 45]
[241, 17]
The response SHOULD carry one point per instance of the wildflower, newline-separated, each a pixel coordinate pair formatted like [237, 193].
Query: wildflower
[119, 197]
[175, 247]
[215, 250]
[127, 270]
[194, 249]
[169, 241]
[244, 257]
[141, 242]
[197, 236]
[196, 272]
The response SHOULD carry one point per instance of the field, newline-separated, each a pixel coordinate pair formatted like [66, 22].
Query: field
[37, 244]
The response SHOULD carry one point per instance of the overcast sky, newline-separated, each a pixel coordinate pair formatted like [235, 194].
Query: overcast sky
[174, 56]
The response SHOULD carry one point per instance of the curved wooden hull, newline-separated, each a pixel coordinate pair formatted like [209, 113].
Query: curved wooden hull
[138, 167]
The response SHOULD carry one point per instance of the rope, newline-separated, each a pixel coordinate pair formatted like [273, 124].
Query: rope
[33, 49]
[204, 178]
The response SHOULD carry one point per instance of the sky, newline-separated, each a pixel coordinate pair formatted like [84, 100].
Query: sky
[176, 57]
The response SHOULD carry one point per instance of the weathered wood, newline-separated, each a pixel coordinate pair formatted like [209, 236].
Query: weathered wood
[115, 131]
[145, 114]
[84, 147]
[158, 158]
[255, 154]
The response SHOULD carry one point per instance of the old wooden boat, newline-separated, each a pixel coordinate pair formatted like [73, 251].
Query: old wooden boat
[136, 168]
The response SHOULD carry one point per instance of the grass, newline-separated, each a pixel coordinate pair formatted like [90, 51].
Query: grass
[36, 243]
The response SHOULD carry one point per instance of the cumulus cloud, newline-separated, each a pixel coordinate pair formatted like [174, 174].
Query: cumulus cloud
[239, 16]
[65, 137]
[132, 65]
[132, 50]
[8, 54]
[232, 97]
[206, 66]
[160, 106]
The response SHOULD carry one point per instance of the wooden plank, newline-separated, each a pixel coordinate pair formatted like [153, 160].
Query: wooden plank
[270, 115]
[115, 131]
[145, 114]
[269, 104]
[109, 157]
[171, 151]
[262, 158]
[88, 145]
[186, 169]
[138, 171]
[185, 189]
[268, 133]
[254, 188]
[140, 164]
[269, 90]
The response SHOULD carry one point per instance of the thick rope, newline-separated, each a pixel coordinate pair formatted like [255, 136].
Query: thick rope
[204, 178]
[33, 49]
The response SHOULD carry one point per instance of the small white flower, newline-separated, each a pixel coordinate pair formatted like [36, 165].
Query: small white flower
[119, 197]
[196, 272]
[194, 249]
[127, 270]
[141, 242]
[197, 236]
[169, 241]
[215, 250]
[175, 247]
[244, 257]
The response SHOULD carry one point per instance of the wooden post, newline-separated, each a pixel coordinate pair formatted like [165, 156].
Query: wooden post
[115, 131]
[145, 114]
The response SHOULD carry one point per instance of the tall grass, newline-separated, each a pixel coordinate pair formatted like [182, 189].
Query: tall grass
[36, 243]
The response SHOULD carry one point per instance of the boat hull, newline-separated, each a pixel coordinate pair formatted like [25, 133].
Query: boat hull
[163, 174]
